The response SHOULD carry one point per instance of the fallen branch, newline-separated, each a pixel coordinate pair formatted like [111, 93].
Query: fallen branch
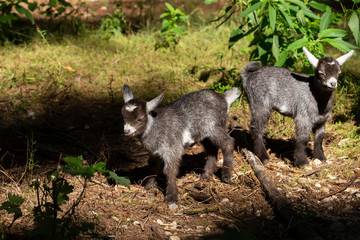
[300, 227]
[352, 180]
[309, 173]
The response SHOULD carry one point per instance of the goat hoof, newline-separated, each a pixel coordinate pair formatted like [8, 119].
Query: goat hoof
[301, 162]
[170, 199]
[205, 177]
[321, 157]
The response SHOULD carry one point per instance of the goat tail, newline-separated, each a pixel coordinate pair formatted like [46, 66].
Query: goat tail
[231, 94]
[249, 68]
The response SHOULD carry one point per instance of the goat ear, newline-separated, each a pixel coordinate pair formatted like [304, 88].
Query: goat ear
[312, 59]
[345, 57]
[151, 105]
[128, 95]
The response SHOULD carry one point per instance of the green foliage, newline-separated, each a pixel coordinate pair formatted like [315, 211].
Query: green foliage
[31, 162]
[172, 27]
[113, 24]
[281, 28]
[52, 196]
[12, 206]
[11, 10]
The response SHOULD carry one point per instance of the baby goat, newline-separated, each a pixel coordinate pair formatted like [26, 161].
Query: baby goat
[305, 98]
[166, 131]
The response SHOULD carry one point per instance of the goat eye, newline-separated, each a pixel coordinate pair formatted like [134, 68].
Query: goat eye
[139, 120]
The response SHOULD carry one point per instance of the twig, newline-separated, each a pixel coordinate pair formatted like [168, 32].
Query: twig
[7, 175]
[352, 180]
[309, 173]
[301, 228]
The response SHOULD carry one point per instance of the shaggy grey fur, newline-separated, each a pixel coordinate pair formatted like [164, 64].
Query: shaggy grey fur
[166, 131]
[305, 98]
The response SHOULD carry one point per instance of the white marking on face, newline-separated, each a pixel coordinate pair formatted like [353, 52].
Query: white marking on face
[130, 108]
[187, 138]
[128, 129]
[331, 82]
[331, 63]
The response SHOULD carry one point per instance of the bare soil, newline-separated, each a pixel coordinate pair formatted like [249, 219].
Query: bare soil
[206, 210]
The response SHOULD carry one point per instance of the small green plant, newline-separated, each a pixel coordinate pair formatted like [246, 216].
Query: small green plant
[31, 149]
[219, 87]
[52, 220]
[113, 24]
[281, 28]
[172, 27]
[12, 206]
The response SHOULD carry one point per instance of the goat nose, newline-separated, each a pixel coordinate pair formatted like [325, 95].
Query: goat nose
[333, 84]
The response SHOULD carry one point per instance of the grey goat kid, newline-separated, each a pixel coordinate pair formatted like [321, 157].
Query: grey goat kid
[305, 98]
[166, 131]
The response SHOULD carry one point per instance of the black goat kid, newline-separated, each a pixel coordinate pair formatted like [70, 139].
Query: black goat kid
[307, 99]
[166, 131]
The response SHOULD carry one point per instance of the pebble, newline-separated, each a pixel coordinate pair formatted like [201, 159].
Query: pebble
[173, 206]
[317, 185]
[317, 162]
[343, 142]
[331, 177]
[159, 221]
[207, 229]
[225, 200]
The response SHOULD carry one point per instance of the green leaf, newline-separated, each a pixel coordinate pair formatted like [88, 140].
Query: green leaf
[13, 205]
[32, 6]
[29, 16]
[208, 2]
[100, 167]
[297, 44]
[238, 34]
[354, 26]
[74, 162]
[309, 13]
[62, 10]
[275, 47]
[301, 17]
[282, 59]
[318, 6]
[287, 18]
[120, 180]
[250, 9]
[164, 15]
[170, 7]
[306, 11]
[53, 3]
[339, 44]
[332, 33]
[297, 2]
[325, 20]
[272, 16]
[15, 199]
[261, 51]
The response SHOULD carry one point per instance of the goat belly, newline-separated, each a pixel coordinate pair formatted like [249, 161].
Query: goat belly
[284, 110]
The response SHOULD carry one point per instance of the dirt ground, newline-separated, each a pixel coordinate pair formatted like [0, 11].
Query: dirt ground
[206, 210]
